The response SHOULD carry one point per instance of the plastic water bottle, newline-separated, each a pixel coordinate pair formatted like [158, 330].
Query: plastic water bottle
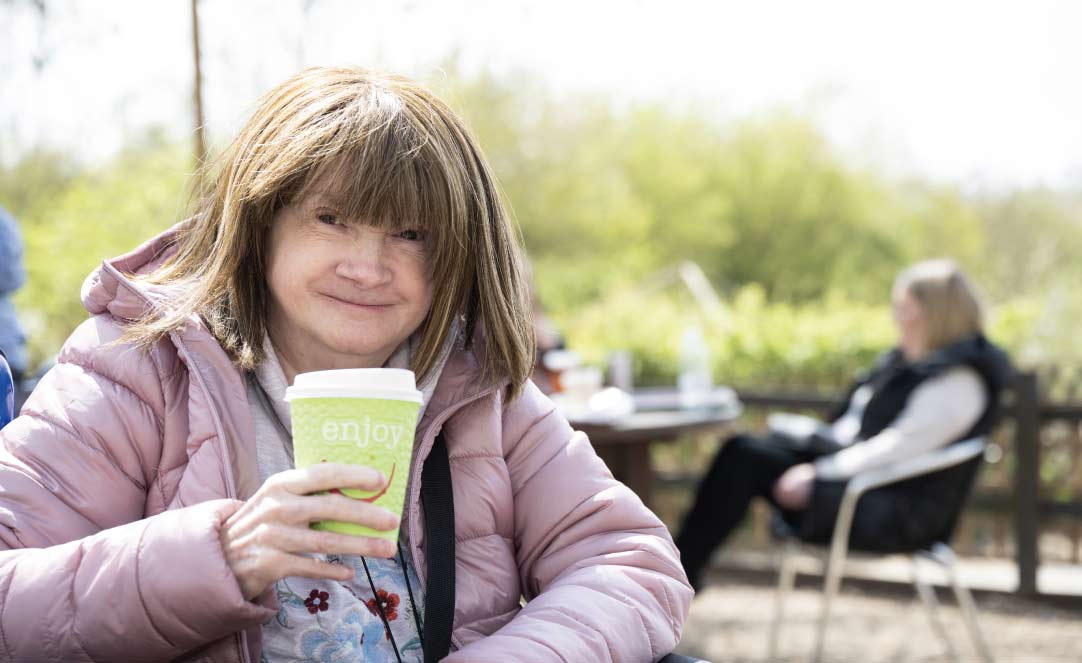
[695, 381]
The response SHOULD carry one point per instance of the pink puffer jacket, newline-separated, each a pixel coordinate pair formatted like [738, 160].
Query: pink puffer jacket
[123, 465]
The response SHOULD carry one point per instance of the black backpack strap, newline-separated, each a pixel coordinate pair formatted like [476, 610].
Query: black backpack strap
[438, 503]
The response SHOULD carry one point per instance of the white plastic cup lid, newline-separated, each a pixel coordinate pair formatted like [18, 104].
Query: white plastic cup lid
[386, 383]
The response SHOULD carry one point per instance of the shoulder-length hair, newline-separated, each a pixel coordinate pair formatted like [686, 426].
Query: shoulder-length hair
[952, 308]
[396, 156]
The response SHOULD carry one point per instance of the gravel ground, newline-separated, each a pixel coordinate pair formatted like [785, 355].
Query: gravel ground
[729, 623]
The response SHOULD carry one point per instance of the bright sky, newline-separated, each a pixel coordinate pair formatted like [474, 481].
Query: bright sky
[984, 93]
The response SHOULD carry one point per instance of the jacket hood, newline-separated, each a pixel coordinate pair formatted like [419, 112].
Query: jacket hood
[975, 351]
[980, 353]
[111, 289]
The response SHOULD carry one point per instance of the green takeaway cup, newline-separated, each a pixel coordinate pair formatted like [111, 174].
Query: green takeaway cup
[364, 416]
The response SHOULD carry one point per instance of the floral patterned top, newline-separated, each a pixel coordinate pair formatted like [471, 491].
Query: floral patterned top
[329, 621]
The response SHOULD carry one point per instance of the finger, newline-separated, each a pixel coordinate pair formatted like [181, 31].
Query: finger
[300, 540]
[325, 476]
[339, 507]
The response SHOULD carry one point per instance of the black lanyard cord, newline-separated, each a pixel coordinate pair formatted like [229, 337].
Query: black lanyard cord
[382, 614]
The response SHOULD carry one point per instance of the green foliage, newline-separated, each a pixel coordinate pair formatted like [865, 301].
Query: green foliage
[73, 222]
[818, 345]
[802, 245]
[610, 195]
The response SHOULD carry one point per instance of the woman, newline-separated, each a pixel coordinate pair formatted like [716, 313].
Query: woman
[147, 503]
[941, 384]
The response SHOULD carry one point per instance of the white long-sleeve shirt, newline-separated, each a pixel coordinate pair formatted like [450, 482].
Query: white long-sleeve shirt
[939, 410]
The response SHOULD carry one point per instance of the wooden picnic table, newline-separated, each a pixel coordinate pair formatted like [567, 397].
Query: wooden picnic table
[624, 443]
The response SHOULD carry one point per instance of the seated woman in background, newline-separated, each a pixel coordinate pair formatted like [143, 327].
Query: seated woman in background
[149, 507]
[940, 385]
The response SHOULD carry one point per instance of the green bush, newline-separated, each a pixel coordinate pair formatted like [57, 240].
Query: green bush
[79, 220]
[754, 343]
[804, 244]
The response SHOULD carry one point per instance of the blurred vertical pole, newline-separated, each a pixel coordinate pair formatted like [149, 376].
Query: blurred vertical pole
[1027, 481]
[197, 96]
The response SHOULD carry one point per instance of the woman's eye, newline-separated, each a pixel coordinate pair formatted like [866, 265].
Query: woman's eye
[328, 218]
[411, 235]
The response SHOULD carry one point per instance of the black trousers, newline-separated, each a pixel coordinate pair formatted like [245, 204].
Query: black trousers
[745, 467]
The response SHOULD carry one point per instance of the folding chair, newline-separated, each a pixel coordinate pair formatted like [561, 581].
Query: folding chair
[939, 552]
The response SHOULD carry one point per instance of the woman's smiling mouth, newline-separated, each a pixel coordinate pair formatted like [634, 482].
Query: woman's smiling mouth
[361, 305]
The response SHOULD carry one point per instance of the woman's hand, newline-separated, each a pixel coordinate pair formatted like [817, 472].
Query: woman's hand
[793, 489]
[263, 539]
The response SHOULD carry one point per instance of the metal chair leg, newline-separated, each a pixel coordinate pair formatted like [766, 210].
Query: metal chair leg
[835, 567]
[839, 548]
[931, 608]
[786, 580]
[945, 556]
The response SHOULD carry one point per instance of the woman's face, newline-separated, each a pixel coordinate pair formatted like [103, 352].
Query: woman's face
[343, 295]
[909, 317]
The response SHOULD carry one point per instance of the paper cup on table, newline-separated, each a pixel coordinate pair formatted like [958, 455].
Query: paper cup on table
[364, 416]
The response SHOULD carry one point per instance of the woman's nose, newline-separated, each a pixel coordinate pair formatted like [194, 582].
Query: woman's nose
[365, 259]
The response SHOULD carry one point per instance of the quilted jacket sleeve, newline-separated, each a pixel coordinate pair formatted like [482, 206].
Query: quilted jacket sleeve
[601, 574]
[83, 575]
